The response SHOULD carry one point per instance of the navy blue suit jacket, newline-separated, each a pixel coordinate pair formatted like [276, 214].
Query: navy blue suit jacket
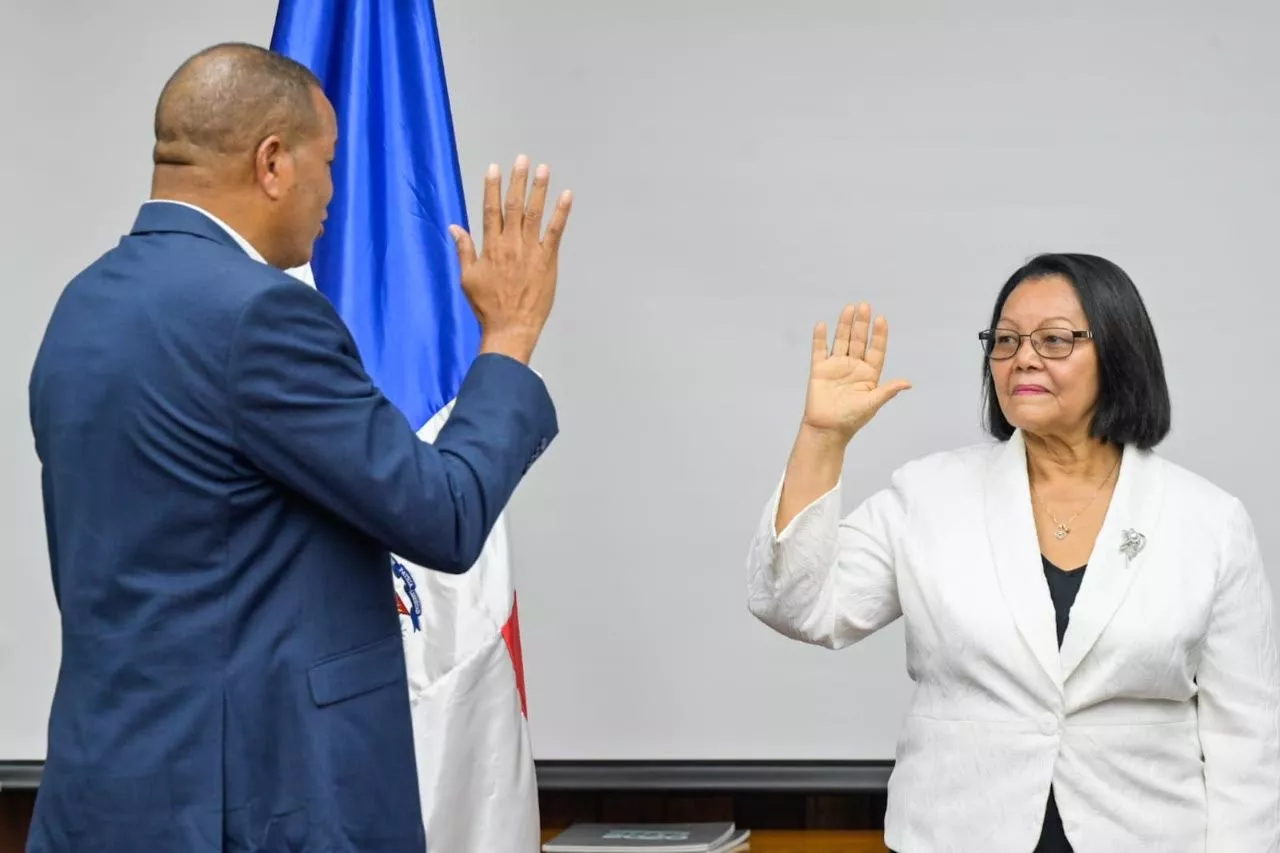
[222, 485]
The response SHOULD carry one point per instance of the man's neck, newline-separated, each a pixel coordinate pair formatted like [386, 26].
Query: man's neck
[220, 205]
[224, 207]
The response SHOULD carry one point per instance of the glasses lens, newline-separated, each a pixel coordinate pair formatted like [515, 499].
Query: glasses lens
[1053, 343]
[1002, 343]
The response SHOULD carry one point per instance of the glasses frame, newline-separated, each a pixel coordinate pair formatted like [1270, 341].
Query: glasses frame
[987, 335]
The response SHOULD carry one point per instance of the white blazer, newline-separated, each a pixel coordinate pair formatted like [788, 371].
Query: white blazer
[1158, 722]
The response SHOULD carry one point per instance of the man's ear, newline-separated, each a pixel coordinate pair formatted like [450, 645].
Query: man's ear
[273, 167]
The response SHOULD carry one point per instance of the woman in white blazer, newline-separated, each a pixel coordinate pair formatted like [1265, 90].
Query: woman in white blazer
[1088, 626]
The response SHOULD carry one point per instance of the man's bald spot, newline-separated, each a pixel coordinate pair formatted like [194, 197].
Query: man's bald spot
[225, 100]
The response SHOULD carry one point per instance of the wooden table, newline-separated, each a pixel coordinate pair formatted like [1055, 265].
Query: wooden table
[803, 841]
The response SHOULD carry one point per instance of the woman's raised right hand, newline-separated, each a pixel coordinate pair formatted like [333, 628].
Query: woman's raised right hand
[845, 391]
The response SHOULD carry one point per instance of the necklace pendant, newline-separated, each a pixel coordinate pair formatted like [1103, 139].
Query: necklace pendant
[1061, 532]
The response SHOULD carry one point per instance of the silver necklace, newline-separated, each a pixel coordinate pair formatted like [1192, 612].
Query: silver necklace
[1062, 528]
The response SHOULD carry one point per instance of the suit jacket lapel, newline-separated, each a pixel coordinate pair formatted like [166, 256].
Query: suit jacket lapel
[1011, 529]
[1131, 516]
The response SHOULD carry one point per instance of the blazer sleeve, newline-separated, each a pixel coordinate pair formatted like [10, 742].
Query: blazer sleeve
[51, 534]
[1238, 702]
[827, 580]
[305, 412]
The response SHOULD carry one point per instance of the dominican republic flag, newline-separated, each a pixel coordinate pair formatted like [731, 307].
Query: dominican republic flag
[387, 262]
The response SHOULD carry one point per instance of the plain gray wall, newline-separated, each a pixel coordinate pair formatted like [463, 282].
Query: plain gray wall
[742, 169]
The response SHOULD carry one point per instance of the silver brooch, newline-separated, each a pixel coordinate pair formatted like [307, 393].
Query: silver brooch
[1131, 543]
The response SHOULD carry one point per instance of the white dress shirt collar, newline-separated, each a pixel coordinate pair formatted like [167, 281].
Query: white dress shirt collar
[302, 273]
[240, 241]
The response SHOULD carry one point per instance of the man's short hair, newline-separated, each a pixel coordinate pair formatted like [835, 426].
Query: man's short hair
[227, 98]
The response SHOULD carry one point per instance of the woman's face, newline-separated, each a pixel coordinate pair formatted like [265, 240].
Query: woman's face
[1039, 395]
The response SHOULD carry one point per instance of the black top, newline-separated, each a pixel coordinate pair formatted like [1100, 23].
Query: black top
[1063, 586]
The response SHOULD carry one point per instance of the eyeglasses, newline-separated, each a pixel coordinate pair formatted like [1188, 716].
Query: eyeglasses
[1000, 344]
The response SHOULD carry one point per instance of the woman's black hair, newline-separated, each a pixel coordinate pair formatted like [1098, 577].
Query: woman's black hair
[1133, 397]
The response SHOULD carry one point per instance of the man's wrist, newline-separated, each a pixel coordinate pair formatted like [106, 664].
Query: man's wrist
[515, 343]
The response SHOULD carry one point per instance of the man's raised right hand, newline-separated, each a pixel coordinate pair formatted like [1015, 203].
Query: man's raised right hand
[511, 283]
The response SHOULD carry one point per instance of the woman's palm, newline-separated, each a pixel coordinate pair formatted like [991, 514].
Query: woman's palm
[844, 381]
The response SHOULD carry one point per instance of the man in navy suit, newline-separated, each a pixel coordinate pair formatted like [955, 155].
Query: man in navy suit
[223, 482]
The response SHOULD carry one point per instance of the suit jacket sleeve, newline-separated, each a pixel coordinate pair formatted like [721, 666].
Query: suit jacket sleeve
[1238, 704]
[307, 414]
[51, 534]
[826, 580]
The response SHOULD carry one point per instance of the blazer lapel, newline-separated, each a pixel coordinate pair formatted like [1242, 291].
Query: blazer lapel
[1118, 553]
[1011, 529]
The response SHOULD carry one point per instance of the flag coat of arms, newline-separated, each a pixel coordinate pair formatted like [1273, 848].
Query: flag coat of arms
[387, 262]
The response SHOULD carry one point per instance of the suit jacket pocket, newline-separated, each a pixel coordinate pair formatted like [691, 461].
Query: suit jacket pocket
[357, 672]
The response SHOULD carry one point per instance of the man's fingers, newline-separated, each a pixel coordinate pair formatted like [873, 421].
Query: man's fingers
[513, 216]
[466, 249]
[537, 200]
[559, 219]
[492, 206]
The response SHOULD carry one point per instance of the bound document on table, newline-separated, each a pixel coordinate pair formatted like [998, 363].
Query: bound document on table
[719, 837]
